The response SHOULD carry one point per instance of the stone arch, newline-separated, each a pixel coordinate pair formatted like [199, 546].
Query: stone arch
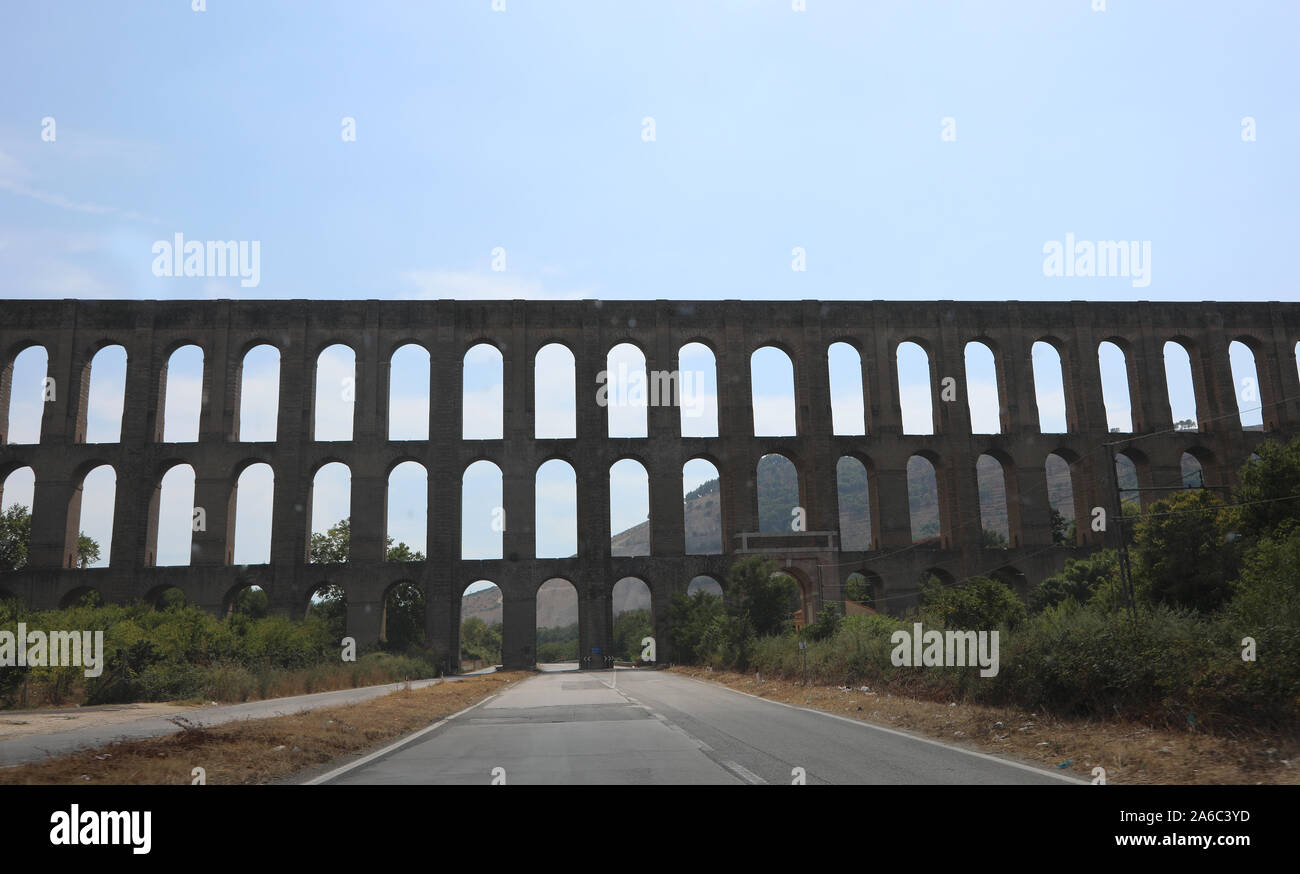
[702, 509]
[170, 521]
[631, 531]
[100, 389]
[1051, 390]
[773, 394]
[402, 618]
[333, 397]
[914, 384]
[256, 404]
[181, 394]
[22, 393]
[409, 368]
[697, 367]
[555, 393]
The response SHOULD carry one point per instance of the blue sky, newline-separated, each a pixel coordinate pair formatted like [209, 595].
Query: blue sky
[524, 132]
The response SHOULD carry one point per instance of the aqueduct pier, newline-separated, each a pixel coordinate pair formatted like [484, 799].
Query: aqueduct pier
[72, 332]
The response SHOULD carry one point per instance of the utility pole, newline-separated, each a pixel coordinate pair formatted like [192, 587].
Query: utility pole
[1126, 577]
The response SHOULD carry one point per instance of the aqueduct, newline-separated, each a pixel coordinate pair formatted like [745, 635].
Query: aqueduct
[72, 332]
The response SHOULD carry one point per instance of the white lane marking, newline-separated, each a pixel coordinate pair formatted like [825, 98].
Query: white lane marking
[1001, 761]
[744, 773]
[338, 772]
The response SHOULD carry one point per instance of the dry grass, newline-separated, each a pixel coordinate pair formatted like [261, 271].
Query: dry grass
[1130, 752]
[251, 752]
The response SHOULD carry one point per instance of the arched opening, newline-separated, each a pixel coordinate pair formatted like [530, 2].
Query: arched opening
[92, 511]
[556, 510]
[171, 519]
[100, 417]
[481, 613]
[855, 503]
[483, 393]
[407, 516]
[408, 393]
[246, 600]
[633, 609]
[557, 623]
[915, 392]
[1245, 379]
[625, 392]
[1049, 388]
[331, 514]
[181, 386]
[1182, 390]
[1114, 387]
[702, 507]
[336, 391]
[482, 512]
[629, 508]
[1013, 579]
[401, 627]
[698, 387]
[1060, 499]
[259, 395]
[848, 414]
[861, 589]
[555, 393]
[995, 525]
[923, 501]
[799, 606]
[1192, 471]
[780, 507]
[82, 596]
[164, 598]
[328, 603]
[704, 585]
[982, 395]
[772, 395]
[24, 381]
[254, 498]
[16, 506]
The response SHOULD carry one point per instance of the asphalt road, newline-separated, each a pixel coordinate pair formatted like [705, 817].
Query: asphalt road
[653, 727]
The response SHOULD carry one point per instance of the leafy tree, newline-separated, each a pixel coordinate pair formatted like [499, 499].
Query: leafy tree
[1079, 580]
[16, 534]
[1179, 555]
[979, 603]
[1062, 529]
[630, 628]
[253, 603]
[760, 596]
[994, 539]
[1273, 478]
[859, 590]
[404, 617]
[480, 641]
[691, 619]
[829, 619]
[332, 546]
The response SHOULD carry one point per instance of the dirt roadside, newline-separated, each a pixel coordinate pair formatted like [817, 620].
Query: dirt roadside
[259, 751]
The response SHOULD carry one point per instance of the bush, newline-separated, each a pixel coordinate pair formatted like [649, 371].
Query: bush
[980, 603]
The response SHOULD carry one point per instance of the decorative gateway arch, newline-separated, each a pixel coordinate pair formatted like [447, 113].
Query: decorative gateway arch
[72, 332]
